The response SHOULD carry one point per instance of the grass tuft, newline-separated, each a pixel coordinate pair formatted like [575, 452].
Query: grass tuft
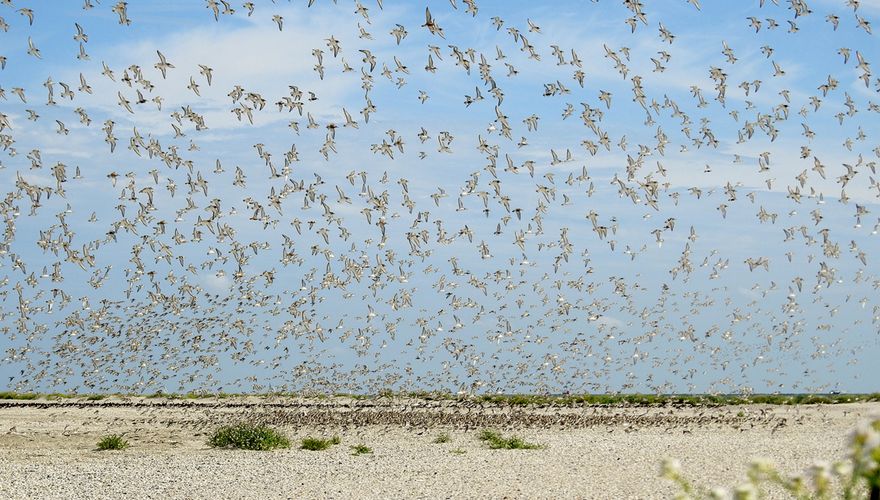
[361, 449]
[442, 438]
[248, 436]
[318, 444]
[498, 442]
[112, 442]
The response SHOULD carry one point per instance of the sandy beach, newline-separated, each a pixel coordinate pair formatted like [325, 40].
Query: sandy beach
[48, 448]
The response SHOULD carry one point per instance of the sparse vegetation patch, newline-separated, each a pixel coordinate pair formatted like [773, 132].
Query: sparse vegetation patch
[498, 442]
[318, 444]
[361, 449]
[248, 436]
[441, 438]
[112, 442]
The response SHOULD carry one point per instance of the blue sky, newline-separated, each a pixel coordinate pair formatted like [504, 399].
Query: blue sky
[672, 307]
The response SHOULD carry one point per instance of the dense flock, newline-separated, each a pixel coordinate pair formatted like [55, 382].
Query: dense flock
[464, 196]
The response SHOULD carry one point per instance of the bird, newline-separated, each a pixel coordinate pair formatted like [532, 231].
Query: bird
[432, 26]
[163, 65]
[80, 35]
[28, 13]
[485, 225]
[32, 49]
[207, 72]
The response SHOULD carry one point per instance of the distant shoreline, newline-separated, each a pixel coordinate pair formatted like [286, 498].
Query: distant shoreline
[566, 400]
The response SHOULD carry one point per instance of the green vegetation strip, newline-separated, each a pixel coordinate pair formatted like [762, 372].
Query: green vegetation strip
[676, 399]
[516, 399]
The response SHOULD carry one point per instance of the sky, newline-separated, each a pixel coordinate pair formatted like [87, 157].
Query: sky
[603, 246]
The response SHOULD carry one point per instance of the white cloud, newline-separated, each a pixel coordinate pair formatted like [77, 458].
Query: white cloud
[217, 284]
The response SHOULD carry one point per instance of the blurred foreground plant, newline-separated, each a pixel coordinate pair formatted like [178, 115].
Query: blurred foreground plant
[858, 476]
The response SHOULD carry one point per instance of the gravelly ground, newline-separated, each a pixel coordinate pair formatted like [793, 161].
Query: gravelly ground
[47, 448]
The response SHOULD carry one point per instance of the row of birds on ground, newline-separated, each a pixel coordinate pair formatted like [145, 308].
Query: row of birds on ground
[166, 258]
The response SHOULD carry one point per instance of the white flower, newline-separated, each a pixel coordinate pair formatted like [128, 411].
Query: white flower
[719, 494]
[873, 440]
[864, 432]
[843, 469]
[745, 491]
[671, 467]
[821, 468]
[763, 466]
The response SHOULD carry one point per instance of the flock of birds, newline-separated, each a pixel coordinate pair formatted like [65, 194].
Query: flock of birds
[547, 234]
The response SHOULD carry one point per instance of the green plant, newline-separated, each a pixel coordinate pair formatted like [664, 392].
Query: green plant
[441, 438]
[361, 449]
[498, 442]
[865, 457]
[318, 444]
[112, 442]
[248, 436]
[854, 477]
[458, 451]
[18, 395]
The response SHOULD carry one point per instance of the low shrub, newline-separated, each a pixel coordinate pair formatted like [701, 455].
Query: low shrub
[498, 442]
[112, 442]
[361, 449]
[318, 444]
[248, 436]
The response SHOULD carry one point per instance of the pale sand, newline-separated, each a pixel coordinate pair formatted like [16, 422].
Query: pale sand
[47, 448]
